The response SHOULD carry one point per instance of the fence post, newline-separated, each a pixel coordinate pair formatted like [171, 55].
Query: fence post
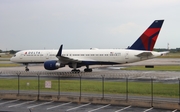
[80, 76]
[179, 90]
[151, 92]
[58, 86]
[38, 74]
[127, 92]
[0, 72]
[18, 74]
[103, 86]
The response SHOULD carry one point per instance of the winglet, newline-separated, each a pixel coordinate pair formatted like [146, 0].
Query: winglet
[60, 51]
[148, 39]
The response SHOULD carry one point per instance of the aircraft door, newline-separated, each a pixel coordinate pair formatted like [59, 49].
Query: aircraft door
[126, 55]
[21, 56]
[47, 55]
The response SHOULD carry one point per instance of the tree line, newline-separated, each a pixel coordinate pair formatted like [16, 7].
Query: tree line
[9, 52]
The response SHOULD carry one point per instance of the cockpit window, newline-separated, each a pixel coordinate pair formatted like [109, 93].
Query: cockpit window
[14, 55]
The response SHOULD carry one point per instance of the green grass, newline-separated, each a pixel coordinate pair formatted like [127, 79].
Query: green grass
[6, 56]
[4, 59]
[9, 65]
[171, 55]
[134, 88]
[156, 68]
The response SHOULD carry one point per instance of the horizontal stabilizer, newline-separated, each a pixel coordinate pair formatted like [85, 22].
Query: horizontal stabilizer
[144, 54]
[164, 53]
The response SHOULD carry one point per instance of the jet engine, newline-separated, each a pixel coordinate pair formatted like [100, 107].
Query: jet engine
[52, 65]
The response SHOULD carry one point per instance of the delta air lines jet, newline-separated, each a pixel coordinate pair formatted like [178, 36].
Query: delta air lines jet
[54, 59]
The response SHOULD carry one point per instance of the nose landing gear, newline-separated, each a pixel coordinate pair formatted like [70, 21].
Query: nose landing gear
[26, 68]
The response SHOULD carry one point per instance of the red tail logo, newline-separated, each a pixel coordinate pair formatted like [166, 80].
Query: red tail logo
[148, 39]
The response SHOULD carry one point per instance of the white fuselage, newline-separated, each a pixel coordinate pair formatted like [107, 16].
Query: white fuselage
[118, 56]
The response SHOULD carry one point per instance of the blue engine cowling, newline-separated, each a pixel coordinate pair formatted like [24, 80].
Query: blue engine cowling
[51, 65]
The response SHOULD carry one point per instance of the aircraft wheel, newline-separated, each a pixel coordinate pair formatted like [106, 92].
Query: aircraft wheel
[27, 69]
[75, 70]
[87, 70]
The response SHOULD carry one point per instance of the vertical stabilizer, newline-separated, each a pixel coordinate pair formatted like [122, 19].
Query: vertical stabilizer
[148, 39]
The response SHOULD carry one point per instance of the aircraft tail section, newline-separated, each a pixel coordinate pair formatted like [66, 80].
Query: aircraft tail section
[148, 39]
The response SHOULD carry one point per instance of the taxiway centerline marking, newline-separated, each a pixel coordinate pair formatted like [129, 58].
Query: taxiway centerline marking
[123, 109]
[8, 102]
[39, 104]
[99, 108]
[148, 109]
[174, 110]
[78, 107]
[58, 105]
[21, 104]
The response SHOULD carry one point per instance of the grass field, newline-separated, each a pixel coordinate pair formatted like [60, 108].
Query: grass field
[6, 56]
[9, 65]
[134, 88]
[156, 68]
[171, 55]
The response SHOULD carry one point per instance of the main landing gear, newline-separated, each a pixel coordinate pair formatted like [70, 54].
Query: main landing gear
[26, 68]
[75, 70]
[87, 69]
[74, 65]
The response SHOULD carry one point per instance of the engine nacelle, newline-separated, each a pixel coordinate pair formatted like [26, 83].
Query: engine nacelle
[52, 65]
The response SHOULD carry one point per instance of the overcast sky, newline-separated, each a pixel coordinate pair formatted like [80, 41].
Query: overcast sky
[82, 24]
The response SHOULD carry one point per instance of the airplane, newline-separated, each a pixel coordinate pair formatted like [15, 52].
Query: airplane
[141, 49]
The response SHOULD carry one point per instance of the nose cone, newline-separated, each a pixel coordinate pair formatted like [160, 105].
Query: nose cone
[11, 59]
[14, 58]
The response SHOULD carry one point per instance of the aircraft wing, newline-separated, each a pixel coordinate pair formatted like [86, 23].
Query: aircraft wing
[144, 54]
[65, 59]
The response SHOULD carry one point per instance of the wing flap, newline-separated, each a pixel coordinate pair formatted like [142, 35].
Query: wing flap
[64, 59]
